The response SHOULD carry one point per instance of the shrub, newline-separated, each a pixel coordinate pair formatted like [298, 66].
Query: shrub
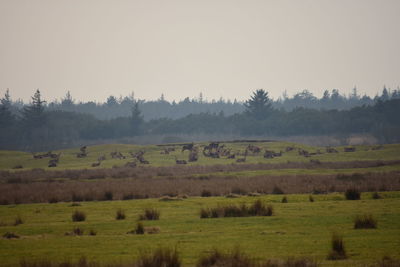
[108, 195]
[10, 235]
[139, 230]
[120, 215]
[78, 216]
[284, 199]
[311, 198]
[150, 214]
[92, 232]
[376, 195]
[277, 191]
[160, 257]
[18, 220]
[352, 194]
[365, 222]
[338, 251]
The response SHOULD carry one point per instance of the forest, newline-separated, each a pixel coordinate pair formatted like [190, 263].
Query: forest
[39, 125]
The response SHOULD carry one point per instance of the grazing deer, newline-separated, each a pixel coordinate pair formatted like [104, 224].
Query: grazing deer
[180, 161]
[187, 147]
[242, 159]
[96, 164]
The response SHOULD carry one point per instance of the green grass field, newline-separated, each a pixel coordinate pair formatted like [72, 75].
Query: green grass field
[298, 228]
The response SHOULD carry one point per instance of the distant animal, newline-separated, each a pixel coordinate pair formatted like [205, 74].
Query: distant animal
[131, 164]
[187, 147]
[96, 164]
[180, 161]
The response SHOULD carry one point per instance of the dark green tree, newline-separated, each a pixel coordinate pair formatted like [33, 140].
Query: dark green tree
[6, 116]
[136, 119]
[259, 105]
[33, 114]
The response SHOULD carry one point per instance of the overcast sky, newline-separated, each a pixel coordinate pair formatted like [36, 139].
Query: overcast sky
[222, 48]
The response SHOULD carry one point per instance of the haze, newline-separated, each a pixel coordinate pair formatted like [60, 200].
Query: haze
[221, 48]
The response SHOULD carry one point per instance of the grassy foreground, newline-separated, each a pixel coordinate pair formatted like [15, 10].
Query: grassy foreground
[299, 228]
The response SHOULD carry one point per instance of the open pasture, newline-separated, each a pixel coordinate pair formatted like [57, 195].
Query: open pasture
[299, 228]
[156, 155]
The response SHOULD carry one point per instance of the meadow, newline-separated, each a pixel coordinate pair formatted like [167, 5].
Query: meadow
[38, 203]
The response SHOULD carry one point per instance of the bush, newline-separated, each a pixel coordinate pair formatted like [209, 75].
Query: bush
[311, 198]
[365, 222]
[338, 251]
[352, 194]
[284, 199]
[150, 214]
[78, 216]
[120, 215]
[160, 257]
[92, 232]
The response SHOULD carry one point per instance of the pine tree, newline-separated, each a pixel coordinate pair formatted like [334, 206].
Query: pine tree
[33, 115]
[259, 105]
[6, 116]
[136, 118]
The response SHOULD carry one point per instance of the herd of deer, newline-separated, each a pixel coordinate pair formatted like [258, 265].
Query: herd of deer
[212, 150]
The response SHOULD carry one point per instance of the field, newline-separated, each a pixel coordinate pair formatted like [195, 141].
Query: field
[45, 199]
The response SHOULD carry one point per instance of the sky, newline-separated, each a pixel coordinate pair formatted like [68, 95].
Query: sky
[179, 48]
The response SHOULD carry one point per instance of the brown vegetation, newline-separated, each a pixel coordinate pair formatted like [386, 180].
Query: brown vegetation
[172, 181]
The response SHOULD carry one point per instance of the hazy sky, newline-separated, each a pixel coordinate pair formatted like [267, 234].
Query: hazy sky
[180, 48]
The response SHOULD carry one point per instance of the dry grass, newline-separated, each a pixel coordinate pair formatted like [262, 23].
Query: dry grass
[217, 185]
[256, 209]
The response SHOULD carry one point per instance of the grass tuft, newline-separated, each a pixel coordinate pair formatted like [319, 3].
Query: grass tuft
[352, 194]
[150, 214]
[164, 257]
[258, 208]
[231, 258]
[366, 221]
[120, 215]
[78, 216]
[338, 251]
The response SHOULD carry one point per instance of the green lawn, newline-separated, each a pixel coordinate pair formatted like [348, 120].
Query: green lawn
[298, 228]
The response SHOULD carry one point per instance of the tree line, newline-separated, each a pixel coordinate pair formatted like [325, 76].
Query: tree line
[37, 126]
[115, 107]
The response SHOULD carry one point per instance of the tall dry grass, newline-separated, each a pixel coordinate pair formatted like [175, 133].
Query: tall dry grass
[215, 185]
